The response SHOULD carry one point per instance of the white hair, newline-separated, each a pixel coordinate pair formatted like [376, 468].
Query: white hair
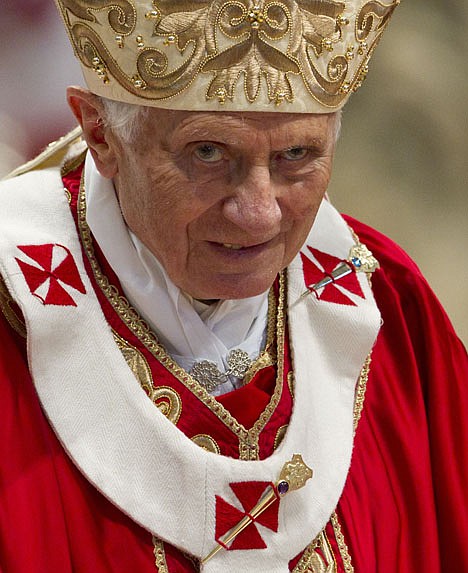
[337, 126]
[126, 119]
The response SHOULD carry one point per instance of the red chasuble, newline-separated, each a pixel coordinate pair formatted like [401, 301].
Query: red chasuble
[404, 506]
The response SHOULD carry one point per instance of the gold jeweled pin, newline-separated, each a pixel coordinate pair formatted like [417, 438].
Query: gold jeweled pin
[293, 476]
[360, 259]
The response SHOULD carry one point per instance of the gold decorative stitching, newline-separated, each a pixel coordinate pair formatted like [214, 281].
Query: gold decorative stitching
[291, 382]
[313, 562]
[121, 14]
[73, 163]
[159, 556]
[136, 361]
[343, 548]
[280, 435]
[207, 443]
[263, 361]
[268, 357]
[165, 398]
[168, 401]
[361, 392]
[16, 322]
[67, 195]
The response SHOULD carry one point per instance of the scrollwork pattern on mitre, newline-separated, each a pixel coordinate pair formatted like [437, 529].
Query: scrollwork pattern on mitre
[121, 14]
[234, 42]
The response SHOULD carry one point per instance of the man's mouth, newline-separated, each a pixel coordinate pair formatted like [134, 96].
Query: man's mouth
[241, 249]
[232, 246]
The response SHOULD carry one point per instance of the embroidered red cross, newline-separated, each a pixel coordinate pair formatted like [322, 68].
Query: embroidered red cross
[227, 515]
[54, 270]
[322, 266]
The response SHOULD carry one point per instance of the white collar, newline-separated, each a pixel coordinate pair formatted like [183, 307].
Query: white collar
[189, 332]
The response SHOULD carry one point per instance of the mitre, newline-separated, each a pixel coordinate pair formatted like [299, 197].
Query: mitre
[241, 55]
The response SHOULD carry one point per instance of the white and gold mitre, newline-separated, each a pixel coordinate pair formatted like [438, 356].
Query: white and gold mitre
[249, 55]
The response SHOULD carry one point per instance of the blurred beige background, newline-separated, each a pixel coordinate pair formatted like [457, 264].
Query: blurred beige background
[402, 161]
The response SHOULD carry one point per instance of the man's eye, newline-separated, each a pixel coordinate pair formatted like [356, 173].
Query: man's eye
[294, 153]
[208, 152]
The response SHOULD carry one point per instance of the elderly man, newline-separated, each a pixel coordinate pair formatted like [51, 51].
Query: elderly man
[204, 367]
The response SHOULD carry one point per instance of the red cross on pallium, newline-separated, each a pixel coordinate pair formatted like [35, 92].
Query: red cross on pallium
[54, 269]
[313, 273]
[227, 515]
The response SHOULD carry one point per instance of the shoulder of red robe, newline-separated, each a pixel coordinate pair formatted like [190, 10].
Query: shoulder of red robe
[56, 154]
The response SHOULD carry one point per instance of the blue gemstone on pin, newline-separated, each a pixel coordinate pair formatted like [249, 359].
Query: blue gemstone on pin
[356, 262]
[283, 487]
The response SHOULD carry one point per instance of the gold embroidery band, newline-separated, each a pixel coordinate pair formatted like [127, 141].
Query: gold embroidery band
[181, 54]
[6, 308]
[159, 556]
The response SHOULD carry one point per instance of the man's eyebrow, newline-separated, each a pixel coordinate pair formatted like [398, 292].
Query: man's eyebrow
[317, 143]
[211, 134]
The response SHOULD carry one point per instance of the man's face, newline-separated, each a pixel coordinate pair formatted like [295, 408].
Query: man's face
[224, 200]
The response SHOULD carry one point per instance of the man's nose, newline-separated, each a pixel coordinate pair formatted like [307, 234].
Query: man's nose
[253, 205]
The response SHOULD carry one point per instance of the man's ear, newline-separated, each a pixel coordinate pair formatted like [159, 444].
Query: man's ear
[88, 110]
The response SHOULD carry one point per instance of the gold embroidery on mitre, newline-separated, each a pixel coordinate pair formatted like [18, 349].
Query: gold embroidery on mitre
[278, 50]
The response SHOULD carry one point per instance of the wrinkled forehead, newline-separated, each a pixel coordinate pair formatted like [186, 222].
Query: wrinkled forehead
[261, 120]
[239, 127]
